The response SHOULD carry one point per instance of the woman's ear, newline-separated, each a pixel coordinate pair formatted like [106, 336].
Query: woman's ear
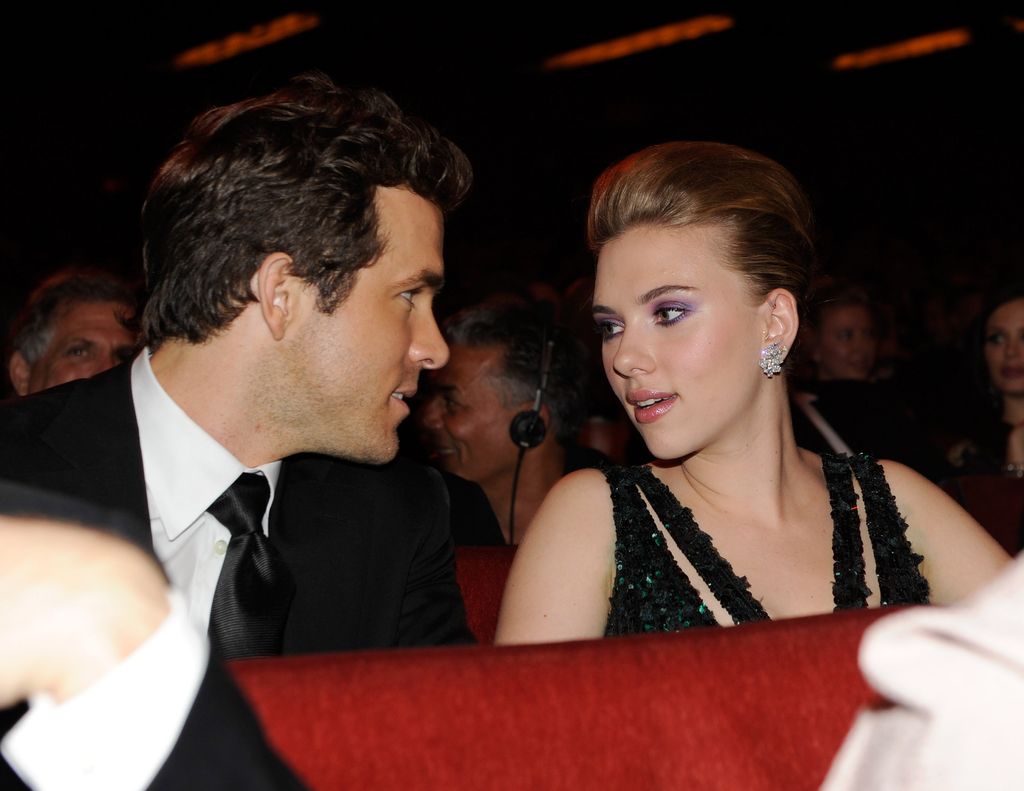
[781, 318]
[274, 286]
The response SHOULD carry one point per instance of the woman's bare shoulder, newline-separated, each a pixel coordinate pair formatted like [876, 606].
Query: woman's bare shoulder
[580, 487]
[560, 581]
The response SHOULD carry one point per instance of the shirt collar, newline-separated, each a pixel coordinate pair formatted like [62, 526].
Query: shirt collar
[185, 468]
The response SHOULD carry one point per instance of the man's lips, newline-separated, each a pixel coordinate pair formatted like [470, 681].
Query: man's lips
[649, 405]
[401, 395]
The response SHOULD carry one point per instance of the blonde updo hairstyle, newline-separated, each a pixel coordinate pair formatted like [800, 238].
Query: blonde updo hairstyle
[681, 184]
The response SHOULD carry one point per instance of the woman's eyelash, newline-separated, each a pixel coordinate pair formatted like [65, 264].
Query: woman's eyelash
[607, 328]
[670, 314]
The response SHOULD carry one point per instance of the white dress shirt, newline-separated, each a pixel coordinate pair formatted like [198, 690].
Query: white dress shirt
[186, 470]
[115, 735]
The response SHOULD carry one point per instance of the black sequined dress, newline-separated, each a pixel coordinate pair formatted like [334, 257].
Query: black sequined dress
[651, 593]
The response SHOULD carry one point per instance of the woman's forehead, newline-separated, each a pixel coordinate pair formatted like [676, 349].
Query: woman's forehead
[646, 258]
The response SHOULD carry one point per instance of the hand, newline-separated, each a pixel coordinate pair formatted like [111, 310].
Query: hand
[74, 602]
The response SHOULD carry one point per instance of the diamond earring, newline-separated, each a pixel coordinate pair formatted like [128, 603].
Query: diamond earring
[771, 359]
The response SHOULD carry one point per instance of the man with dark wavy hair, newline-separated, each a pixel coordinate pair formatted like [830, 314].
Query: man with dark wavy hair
[293, 247]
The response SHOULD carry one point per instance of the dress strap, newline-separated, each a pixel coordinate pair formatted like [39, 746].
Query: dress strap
[732, 591]
[849, 589]
[899, 579]
[645, 569]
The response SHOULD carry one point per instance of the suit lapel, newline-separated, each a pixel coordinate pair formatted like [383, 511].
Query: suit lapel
[322, 522]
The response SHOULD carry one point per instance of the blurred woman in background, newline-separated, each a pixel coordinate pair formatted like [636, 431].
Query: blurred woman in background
[996, 443]
[843, 408]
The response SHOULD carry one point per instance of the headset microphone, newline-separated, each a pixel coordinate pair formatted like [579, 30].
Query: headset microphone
[527, 429]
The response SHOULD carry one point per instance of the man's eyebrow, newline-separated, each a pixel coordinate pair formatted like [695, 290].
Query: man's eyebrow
[425, 278]
[646, 297]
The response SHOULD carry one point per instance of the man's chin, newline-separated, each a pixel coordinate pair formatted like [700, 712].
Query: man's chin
[367, 454]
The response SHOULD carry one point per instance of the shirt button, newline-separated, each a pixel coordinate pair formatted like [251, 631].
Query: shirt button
[220, 547]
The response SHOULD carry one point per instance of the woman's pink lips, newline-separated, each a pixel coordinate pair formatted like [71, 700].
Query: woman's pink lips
[648, 414]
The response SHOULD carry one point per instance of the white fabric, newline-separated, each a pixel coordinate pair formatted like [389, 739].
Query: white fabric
[115, 735]
[806, 403]
[956, 678]
[186, 470]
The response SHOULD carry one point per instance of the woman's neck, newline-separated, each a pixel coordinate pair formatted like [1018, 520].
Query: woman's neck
[756, 477]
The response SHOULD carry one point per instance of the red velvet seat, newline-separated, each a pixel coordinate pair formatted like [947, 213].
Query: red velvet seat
[481, 573]
[995, 501]
[763, 706]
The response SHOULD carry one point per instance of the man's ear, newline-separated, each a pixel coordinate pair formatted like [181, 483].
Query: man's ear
[277, 292]
[20, 372]
[782, 318]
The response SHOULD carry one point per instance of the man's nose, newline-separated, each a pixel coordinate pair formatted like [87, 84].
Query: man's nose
[428, 347]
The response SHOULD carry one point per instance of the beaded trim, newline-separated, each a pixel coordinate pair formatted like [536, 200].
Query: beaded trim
[899, 579]
[849, 588]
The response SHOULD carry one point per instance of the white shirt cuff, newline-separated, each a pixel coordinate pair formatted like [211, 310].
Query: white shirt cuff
[115, 735]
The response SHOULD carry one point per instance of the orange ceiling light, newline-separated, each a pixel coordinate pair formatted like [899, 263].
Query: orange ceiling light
[1016, 24]
[901, 50]
[237, 43]
[663, 36]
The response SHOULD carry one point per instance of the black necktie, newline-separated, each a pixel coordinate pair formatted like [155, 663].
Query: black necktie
[255, 587]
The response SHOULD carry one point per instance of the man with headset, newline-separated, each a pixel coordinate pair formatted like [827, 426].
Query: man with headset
[505, 411]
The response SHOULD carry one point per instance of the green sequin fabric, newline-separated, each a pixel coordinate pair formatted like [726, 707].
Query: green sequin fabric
[652, 594]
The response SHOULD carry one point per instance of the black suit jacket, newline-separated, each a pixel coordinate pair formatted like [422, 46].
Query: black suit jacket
[369, 547]
[219, 724]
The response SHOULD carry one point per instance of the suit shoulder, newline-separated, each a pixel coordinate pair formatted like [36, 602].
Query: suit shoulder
[23, 415]
[399, 484]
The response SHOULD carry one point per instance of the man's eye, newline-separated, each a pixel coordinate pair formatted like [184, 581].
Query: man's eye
[77, 351]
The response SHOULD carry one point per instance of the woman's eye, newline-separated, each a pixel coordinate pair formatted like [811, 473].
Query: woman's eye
[607, 329]
[670, 314]
[994, 338]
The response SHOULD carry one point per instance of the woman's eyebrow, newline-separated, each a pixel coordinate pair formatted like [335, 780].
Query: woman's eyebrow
[654, 293]
[643, 299]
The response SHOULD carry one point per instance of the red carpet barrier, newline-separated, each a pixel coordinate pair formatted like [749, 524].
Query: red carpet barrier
[481, 572]
[762, 706]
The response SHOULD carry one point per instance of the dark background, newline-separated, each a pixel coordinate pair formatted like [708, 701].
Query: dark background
[913, 167]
